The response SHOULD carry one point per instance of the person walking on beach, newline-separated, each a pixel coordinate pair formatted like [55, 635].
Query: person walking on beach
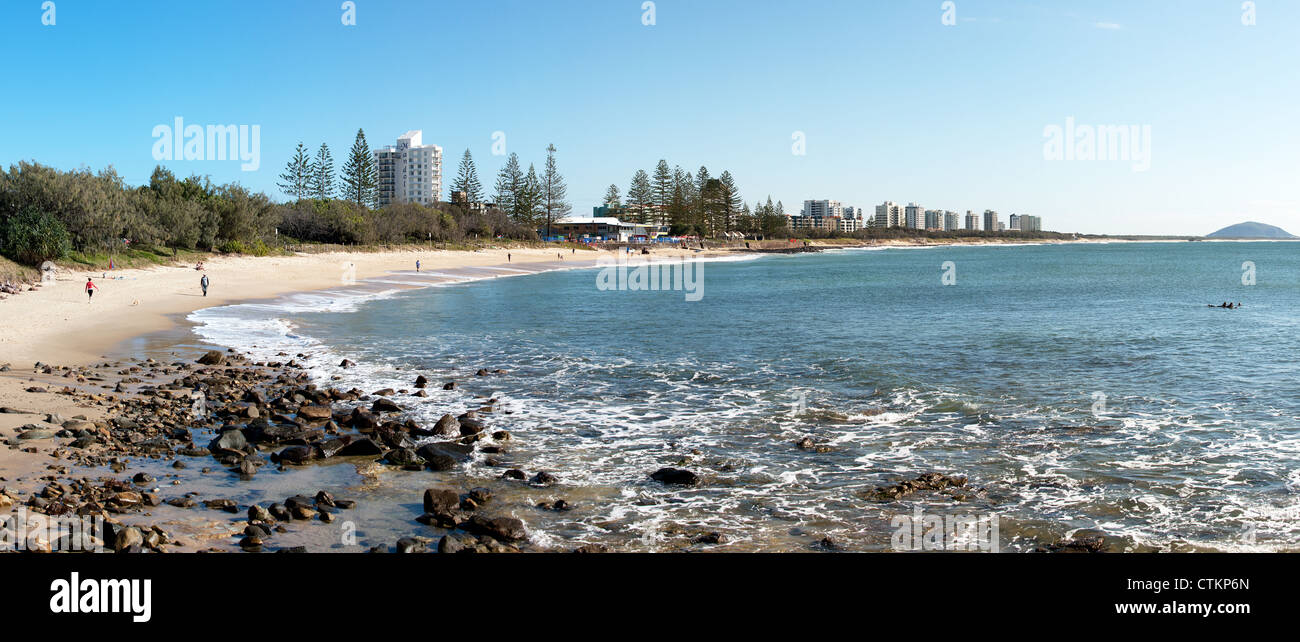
[203, 283]
[417, 265]
[90, 289]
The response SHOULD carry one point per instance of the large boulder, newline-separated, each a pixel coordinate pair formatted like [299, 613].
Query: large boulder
[470, 426]
[361, 419]
[363, 446]
[442, 457]
[212, 358]
[229, 442]
[505, 529]
[401, 457]
[675, 476]
[440, 500]
[297, 455]
[314, 413]
[447, 426]
[385, 405]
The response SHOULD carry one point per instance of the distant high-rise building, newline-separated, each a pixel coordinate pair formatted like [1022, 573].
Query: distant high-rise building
[1014, 222]
[409, 172]
[822, 209]
[972, 221]
[951, 222]
[1031, 223]
[990, 221]
[889, 214]
[914, 216]
[933, 220]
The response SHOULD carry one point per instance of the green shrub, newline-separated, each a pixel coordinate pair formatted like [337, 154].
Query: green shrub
[34, 236]
[231, 247]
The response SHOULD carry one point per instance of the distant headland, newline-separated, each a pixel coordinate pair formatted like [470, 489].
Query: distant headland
[1251, 230]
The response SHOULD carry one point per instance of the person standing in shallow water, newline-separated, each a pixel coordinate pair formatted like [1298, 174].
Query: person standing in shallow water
[203, 283]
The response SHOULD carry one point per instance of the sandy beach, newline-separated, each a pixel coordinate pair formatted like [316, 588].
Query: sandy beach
[57, 324]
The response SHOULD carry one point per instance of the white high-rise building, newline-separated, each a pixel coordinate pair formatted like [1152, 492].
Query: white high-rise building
[951, 222]
[972, 220]
[409, 172]
[889, 214]
[822, 209]
[914, 216]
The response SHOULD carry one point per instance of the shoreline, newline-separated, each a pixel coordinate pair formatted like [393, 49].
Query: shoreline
[55, 323]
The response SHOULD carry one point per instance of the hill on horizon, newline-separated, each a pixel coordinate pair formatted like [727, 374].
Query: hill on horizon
[1251, 230]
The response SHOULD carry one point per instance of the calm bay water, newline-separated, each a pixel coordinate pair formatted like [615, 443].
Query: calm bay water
[1084, 386]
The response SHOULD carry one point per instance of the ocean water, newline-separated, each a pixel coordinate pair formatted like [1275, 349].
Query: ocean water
[1084, 387]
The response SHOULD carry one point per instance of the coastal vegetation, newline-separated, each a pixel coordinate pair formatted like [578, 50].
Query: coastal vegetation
[92, 217]
[530, 200]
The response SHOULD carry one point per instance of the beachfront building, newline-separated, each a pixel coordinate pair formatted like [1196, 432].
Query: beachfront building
[832, 223]
[951, 222]
[409, 172]
[889, 214]
[990, 221]
[933, 219]
[972, 221]
[1014, 222]
[914, 217]
[822, 209]
[595, 228]
[1031, 223]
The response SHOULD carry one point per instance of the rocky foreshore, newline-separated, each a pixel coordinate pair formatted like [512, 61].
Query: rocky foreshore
[234, 419]
[231, 415]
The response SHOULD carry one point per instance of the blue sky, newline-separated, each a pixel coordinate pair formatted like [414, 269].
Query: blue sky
[893, 103]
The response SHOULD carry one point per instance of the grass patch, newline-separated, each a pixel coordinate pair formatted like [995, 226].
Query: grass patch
[132, 258]
[10, 271]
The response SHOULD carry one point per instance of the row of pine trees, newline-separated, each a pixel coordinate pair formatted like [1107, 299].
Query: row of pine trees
[306, 177]
[694, 203]
[689, 203]
[537, 201]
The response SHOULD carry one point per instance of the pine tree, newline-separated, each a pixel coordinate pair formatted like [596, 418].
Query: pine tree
[748, 223]
[683, 198]
[663, 191]
[321, 185]
[510, 181]
[554, 205]
[612, 197]
[731, 201]
[297, 174]
[467, 180]
[711, 198]
[770, 222]
[640, 194]
[529, 199]
[700, 214]
[359, 180]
